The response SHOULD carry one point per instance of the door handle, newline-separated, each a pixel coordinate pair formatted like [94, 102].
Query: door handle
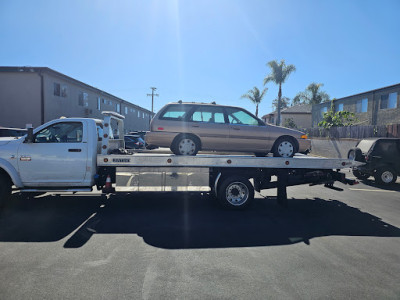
[195, 126]
[74, 150]
[235, 128]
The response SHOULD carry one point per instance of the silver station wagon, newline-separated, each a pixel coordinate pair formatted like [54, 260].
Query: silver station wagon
[187, 128]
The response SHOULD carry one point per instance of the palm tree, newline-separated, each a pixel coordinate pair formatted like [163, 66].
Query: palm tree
[285, 102]
[279, 73]
[255, 96]
[312, 95]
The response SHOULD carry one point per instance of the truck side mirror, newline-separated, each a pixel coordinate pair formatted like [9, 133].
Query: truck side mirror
[29, 137]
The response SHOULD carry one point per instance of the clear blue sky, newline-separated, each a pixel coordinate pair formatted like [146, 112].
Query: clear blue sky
[206, 50]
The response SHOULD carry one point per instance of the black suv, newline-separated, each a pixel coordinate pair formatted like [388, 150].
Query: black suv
[381, 157]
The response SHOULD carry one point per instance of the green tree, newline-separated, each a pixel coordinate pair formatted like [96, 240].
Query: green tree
[285, 102]
[279, 74]
[312, 95]
[337, 119]
[289, 123]
[255, 96]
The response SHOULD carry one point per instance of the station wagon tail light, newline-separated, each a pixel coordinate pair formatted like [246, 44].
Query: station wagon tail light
[160, 128]
[304, 136]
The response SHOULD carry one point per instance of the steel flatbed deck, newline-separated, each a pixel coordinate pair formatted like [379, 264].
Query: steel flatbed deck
[222, 161]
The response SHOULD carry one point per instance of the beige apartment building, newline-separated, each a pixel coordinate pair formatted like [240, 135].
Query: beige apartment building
[35, 95]
[376, 107]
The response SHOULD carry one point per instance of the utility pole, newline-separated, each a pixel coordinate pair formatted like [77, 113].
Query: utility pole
[152, 98]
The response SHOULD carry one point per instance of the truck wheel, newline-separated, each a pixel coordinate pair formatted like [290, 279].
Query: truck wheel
[284, 147]
[235, 192]
[5, 189]
[385, 176]
[185, 145]
[359, 175]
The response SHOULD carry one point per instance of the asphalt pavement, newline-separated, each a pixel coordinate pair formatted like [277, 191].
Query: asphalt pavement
[326, 245]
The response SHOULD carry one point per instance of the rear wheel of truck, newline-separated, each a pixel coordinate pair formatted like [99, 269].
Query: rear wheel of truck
[235, 192]
[5, 189]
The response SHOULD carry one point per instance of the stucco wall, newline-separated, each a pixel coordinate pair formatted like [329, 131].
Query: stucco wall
[57, 106]
[332, 148]
[20, 99]
[301, 120]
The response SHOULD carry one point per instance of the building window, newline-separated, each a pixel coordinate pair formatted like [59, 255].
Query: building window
[138, 114]
[132, 110]
[103, 101]
[64, 91]
[388, 101]
[362, 105]
[83, 99]
[118, 108]
[126, 110]
[324, 110]
[339, 107]
[57, 89]
[98, 103]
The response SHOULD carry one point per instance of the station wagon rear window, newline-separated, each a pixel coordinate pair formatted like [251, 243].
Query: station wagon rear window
[175, 112]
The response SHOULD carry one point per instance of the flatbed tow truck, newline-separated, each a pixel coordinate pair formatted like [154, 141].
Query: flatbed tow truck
[77, 154]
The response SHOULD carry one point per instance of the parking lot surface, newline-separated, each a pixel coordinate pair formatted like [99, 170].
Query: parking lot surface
[327, 244]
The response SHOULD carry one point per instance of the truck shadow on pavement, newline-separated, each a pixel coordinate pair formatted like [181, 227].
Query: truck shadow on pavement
[371, 183]
[183, 221]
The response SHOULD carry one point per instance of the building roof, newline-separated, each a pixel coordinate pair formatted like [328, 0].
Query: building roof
[55, 73]
[298, 109]
[359, 94]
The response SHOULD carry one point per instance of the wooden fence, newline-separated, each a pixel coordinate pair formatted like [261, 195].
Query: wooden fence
[355, 132]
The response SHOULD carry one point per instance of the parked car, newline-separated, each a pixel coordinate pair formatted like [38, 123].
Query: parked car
[187, 128]
[142, 134]
[134, 142]
[381, 158]
[7, 131]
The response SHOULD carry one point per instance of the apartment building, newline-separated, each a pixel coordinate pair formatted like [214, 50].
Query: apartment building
[35, 95]
[375, 107]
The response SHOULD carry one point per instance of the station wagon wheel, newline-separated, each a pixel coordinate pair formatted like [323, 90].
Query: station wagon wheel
[284, 147]
[385, 176]
[185, 145]
[235, 192]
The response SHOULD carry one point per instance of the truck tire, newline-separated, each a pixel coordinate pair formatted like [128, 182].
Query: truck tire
[235, 192]
[385, 176]
[5, 189]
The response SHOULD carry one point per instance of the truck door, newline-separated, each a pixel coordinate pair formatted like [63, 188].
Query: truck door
[57, 156]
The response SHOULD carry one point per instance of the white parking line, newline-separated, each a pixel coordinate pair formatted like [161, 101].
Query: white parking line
[368, 190]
